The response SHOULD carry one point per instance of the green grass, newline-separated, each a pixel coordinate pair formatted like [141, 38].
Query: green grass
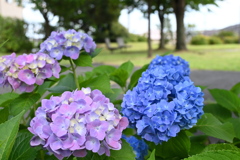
[206, 57]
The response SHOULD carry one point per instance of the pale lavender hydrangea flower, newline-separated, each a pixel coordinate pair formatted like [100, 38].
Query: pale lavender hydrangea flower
[76, 122]
[23, 71]
[67, 43]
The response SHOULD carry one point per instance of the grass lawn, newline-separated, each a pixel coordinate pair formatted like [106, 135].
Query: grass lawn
[205, 57]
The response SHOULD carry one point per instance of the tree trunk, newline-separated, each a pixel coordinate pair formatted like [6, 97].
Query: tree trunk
[47, 26]
[149, 29]
[162, 39]
[179, 9]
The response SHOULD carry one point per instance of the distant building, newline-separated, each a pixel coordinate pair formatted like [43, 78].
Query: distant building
[9, 8]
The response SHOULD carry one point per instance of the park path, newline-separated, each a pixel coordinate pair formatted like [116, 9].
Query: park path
[211, 79]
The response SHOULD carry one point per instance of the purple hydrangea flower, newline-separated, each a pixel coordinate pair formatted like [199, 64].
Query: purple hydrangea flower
[23, 71]
[164, 101]
[67, 43]
[76, 122]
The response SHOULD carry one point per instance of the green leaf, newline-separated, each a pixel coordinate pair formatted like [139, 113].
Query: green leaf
[198, 143]
[235, 122]
[22, 149]
[236, 89]
[7, 96]
[221, 146]
[4, 113]
[211, 126]
[129, 131]
[103, 69]
[84, 60]
[116, 92]
[152, 156]
[96, 52]
[176, 147]
[9, 131]
[218, 111]
[226, 99]
[202, 87]
[67, 83]
[135, 76]
[125, 153]
[101, 82]
[127, 66]
[64, 68]
[119, 76]
[23, 102]
[43, 88]
[218, 155]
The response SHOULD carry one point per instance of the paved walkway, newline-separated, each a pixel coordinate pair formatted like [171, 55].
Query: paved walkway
[212, 79]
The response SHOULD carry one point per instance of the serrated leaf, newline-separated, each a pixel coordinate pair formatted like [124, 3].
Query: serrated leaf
[218, 111]
[235, 122]
[226, 99]
[218, 155]
[23, 102]
[236, 89]
[9, 131]
[22, 149]
[152, 156]
[7, 96]
[84, 60]
[101, 83]
[211, 126]
[103, 69]
[119, 76]
[127, 66]
[221, 146]
[176, 147]
[67, 83]
[125, 153]
[135, 76]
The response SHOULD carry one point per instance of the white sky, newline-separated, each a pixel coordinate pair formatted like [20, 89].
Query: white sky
[228, 13]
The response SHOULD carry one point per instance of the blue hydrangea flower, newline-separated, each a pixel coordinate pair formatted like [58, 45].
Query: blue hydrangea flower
[164, 101]
[67, 43]
[140, 148]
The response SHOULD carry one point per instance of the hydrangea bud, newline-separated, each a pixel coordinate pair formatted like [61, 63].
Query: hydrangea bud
[67, 43]
[164, 101]
[140, 148]
[23, 71]
[76, 122]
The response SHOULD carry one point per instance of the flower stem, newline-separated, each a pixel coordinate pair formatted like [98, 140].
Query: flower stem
[74, 73]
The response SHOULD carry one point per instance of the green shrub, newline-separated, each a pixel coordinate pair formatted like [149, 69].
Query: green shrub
[135, 38]
[223, 34]
[13, 30]
[199, 40]
[215, 40]
[230, 39]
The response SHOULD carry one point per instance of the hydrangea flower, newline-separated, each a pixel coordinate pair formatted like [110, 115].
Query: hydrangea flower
[67, 43]
[23, 71]
[164, 101]
[76, 122]
[140, 148]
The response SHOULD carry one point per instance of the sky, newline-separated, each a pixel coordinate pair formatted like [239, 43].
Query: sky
[226, 14]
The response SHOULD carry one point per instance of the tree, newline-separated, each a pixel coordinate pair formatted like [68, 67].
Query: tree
[179, 7]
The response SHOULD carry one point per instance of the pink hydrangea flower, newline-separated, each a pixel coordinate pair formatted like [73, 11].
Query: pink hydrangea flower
[76, 122]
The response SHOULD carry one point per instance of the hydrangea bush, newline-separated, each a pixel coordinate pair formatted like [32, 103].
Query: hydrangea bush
[54, 114]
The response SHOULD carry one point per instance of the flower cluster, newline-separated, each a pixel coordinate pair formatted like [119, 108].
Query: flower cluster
[67, 43]
[76, 122]
[164, 101]
[140, 148]
[23, 71]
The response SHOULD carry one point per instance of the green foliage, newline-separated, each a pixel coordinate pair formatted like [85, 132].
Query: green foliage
[152, 156]
[215, 40]
[21, 149]
[211, 126]
[14, 31]
[176, 147]
[221, 146]
[84, 60]
[9, 130]
[230, 40]
[200, 40]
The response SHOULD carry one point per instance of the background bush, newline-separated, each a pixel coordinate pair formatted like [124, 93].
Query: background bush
[199, 40]
[14, 31]
[215, 40]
